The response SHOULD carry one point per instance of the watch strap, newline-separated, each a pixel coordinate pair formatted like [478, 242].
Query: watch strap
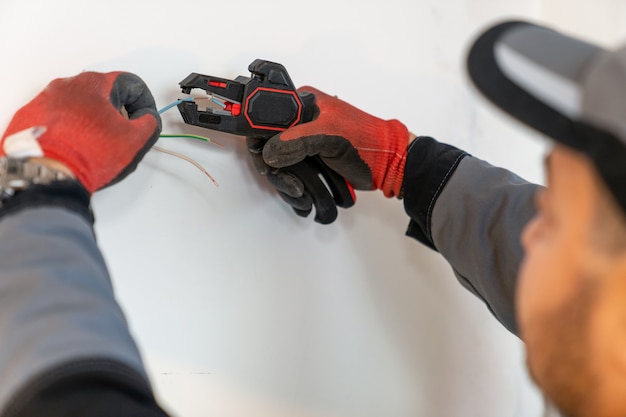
[19, 174]
[25, 184]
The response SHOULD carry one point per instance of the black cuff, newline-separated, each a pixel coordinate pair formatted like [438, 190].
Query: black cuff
[87, 388]
[429, 166]
[70, 195]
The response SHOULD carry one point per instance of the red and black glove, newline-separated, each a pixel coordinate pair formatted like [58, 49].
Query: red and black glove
[370, 153]
[79, 122]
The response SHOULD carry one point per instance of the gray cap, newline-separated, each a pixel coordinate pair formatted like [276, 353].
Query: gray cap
[568, 89]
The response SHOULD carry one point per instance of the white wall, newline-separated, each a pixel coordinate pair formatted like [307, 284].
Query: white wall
[240, 307]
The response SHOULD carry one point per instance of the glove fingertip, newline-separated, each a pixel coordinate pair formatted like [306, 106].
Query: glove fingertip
[257, 161]
[279, 153]
[302, 213]
[303, 203]
[287, 184]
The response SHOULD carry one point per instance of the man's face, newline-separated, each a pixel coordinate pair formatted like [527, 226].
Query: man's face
[563, 310]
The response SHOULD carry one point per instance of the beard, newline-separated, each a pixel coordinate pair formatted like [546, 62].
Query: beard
[558, 354]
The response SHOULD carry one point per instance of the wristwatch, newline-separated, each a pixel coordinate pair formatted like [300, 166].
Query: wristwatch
[18, 174]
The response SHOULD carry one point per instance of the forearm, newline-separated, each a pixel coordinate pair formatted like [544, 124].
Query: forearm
[473, 214]
[64, 341]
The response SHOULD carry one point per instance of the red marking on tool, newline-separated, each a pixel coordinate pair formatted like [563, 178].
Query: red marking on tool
[218, 84]
[233, 108]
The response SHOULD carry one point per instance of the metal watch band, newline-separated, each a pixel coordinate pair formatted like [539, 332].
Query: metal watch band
[19, 174]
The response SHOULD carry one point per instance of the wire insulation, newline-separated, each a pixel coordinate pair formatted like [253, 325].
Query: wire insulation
[197, 137]
[176, 103]
[188, 159]
[202, 138]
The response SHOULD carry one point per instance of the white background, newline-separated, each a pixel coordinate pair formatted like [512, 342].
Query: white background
[239, 307]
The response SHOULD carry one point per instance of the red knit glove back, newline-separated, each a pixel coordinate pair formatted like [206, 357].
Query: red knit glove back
[79, 123]
[368, 152]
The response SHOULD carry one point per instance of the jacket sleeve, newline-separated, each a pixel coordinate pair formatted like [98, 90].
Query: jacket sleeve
[65, 348]
[473, 214]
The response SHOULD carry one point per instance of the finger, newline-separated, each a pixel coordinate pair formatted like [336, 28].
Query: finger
[132, 93]
[301, 205]
[287, 183]
[278, 153]
[259, 164]
[325, 207]
[302, 213]
[341, 190]
[255, 145]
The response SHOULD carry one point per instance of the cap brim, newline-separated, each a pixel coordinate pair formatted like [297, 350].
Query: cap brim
[533, 73]
[567, 89]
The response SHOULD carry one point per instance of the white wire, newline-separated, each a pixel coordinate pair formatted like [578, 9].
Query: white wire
[188, 159]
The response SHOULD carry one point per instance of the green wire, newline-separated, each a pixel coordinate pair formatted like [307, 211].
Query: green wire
[202, 138]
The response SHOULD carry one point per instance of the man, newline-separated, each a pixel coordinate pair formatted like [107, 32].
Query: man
[569, 305]
[65, 346]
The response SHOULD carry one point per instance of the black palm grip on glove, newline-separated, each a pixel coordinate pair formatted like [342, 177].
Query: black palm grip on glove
[314, 188]
[307, 184]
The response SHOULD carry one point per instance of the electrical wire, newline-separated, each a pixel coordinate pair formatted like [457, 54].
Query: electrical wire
[218, 102]
[197, 137]
[188, 159]
[176, 103]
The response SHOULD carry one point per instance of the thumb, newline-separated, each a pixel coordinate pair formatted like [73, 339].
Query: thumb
[279, 153]
[131, 93]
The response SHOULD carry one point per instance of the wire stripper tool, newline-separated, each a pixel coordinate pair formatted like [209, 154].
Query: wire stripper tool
[261, 106]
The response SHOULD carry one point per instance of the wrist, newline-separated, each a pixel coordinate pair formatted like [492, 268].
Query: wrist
[431, 165]
[397, 142]
[20, 174]
[69, 195]
[34, 183]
